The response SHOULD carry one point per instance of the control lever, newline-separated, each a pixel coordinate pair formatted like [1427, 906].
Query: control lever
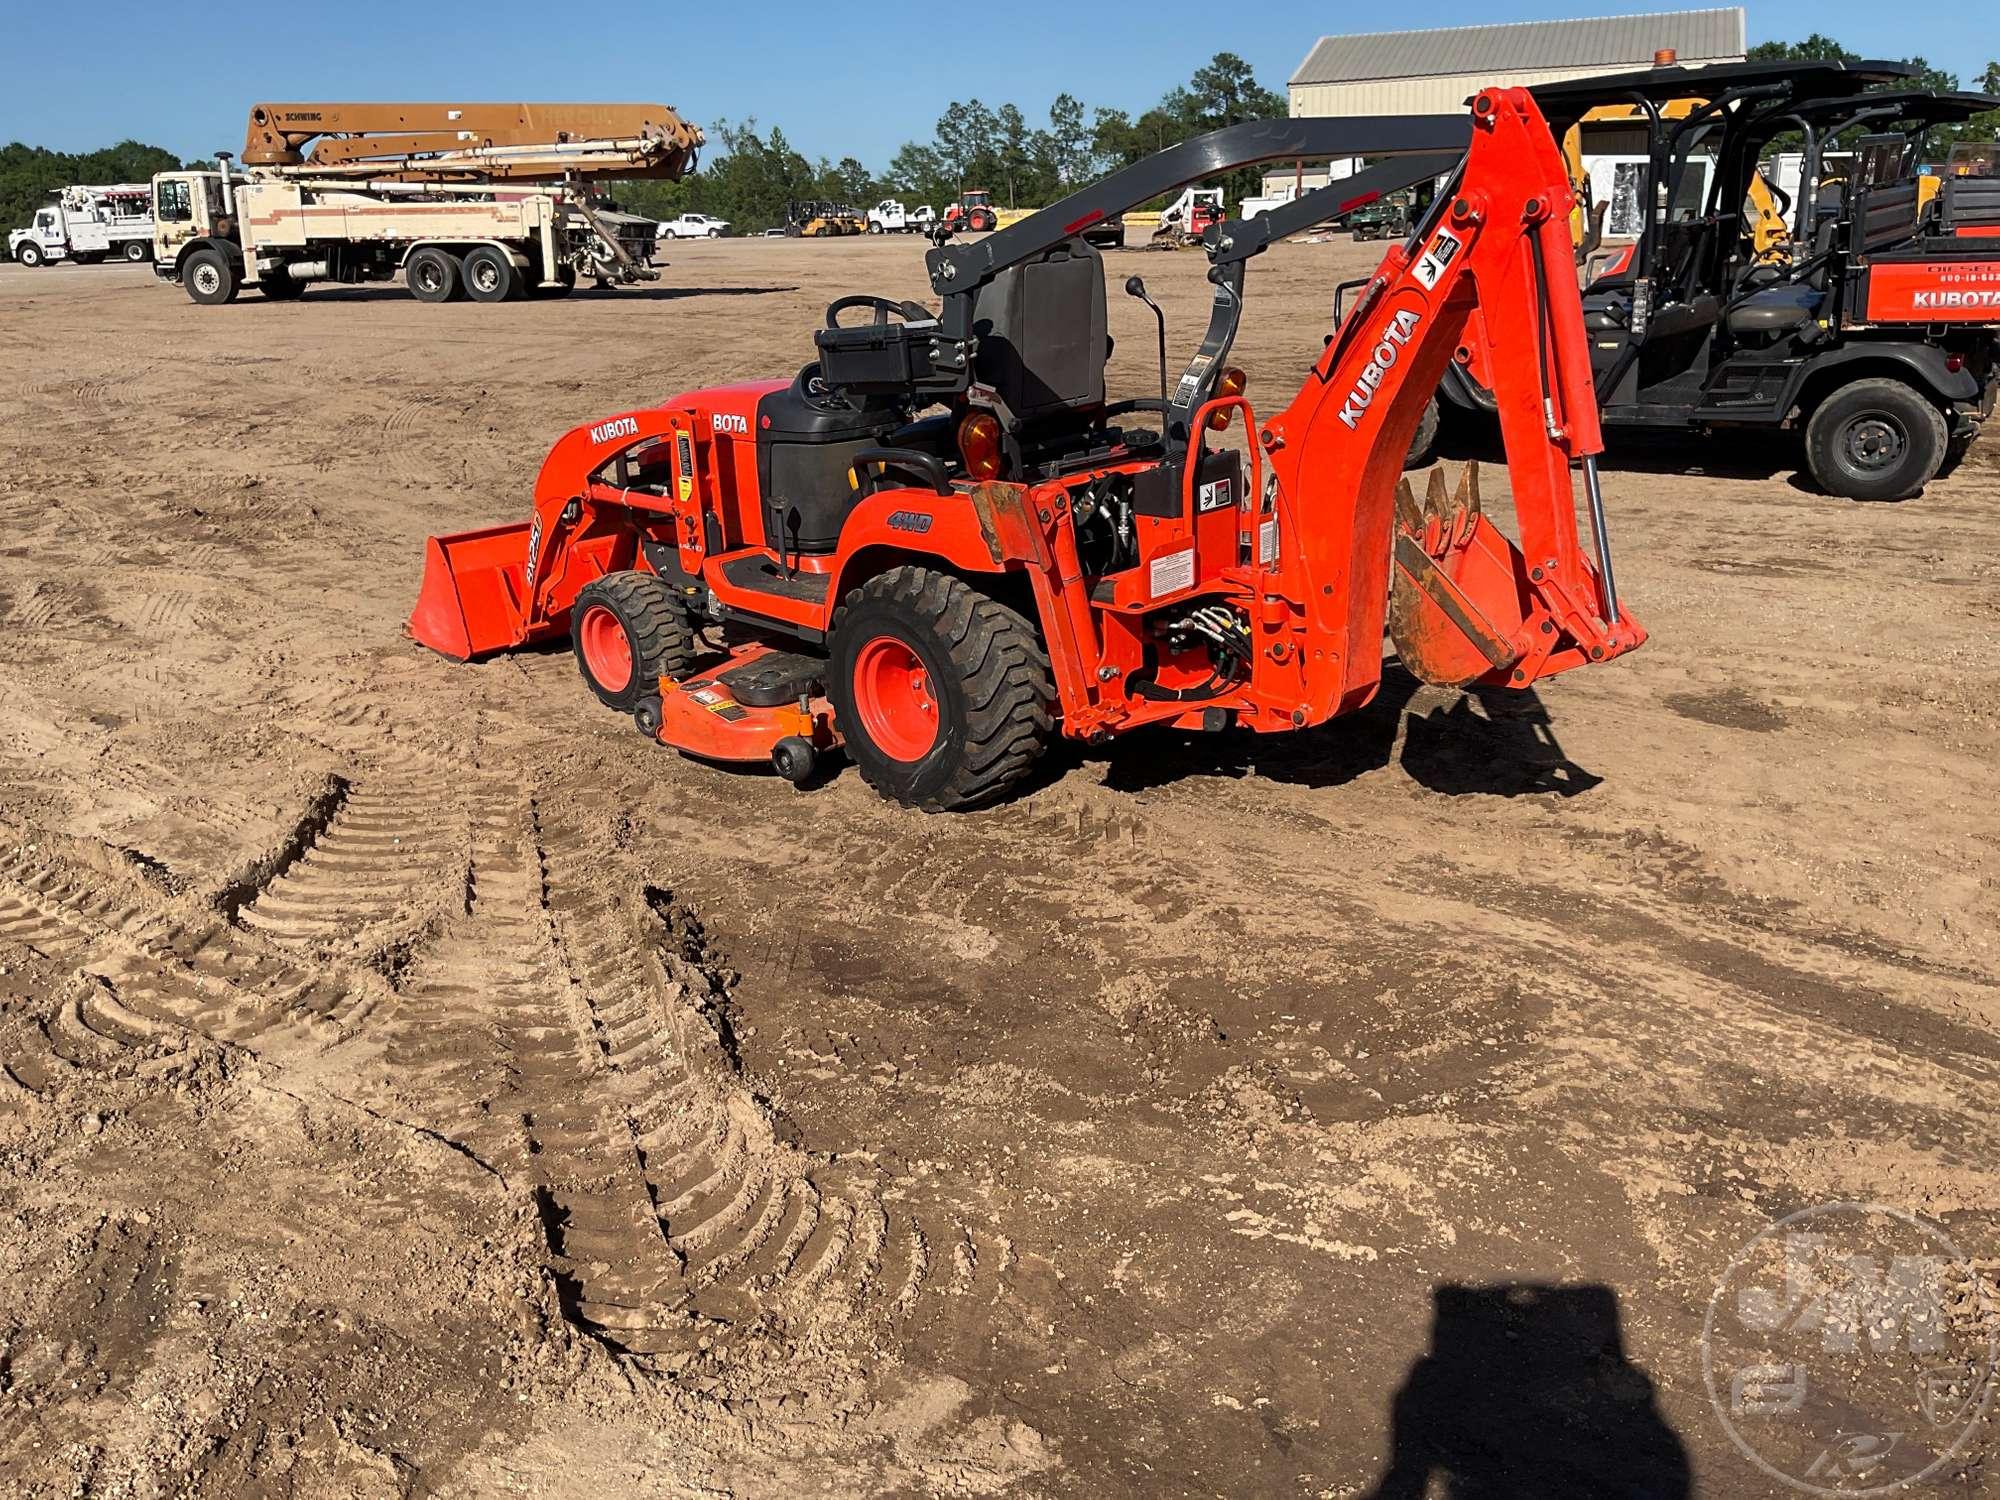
[1135, 286]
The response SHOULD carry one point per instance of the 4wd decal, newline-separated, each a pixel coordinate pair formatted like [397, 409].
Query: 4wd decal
[910, 520]
[1395, 337]
[1442, 252]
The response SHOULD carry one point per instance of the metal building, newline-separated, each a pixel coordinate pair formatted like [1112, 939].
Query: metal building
[1434, 72]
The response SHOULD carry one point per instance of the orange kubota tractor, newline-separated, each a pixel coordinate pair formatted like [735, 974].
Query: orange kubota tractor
[940, 545]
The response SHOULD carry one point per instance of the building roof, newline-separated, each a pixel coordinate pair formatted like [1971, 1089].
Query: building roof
[1592, 42]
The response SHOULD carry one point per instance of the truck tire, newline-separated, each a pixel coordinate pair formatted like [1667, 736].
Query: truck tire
[489, 274]
[564, 283]
[210, 278]
[1876, 439]
[874, 227]
[942, 694]
[281, 287]
[31, 254]
[629, 630]
[138, 252]
[432, 275]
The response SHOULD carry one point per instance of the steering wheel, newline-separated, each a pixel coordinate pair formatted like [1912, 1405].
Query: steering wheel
[885, 308]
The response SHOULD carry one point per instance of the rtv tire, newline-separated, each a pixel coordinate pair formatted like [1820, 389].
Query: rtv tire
[629, 630]
[210, 278]
[31, 254]
[942, 694]
[489, 274]
[1877, 439]
[432, 275]
[1424, 443]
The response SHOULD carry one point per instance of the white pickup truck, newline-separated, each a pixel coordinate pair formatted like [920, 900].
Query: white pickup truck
[87, 224]
[693, 227]
[890, 217]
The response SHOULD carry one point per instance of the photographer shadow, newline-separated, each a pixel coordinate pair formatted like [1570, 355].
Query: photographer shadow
[1527, 1394]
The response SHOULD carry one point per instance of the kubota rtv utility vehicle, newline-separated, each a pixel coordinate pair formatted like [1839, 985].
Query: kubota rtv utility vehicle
[1876, 340]
[940, 544]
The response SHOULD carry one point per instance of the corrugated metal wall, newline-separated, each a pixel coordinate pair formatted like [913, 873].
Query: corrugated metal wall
[1442, 95]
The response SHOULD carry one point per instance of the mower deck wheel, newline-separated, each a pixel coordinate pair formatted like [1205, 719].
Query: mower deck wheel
[628, 630]
[942, 694]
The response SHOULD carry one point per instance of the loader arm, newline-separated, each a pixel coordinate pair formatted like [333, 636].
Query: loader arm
[1470, 606]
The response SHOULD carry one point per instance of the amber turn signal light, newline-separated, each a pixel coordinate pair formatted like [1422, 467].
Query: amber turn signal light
[1232, 383]
[979, 445]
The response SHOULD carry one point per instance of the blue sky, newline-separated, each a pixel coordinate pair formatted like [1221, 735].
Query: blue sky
[840, 79]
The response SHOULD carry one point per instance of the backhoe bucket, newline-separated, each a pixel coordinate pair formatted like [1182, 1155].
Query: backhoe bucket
[474, 596]
[1456, 602]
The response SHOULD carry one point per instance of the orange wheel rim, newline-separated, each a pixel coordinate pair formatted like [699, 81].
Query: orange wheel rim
[894, 698]
[607, 651]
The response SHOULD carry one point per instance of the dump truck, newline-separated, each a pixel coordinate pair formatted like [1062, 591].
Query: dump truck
[87, 224]
[487, 201]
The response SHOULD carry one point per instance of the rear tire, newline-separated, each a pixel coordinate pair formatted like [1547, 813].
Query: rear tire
[629, 630]
[281, 287]
[1424, 445]
[1878, 439]
[432, 276]
[488, 274]
[563, 284]
[31, 254]
[942, 694]
[210, 278]
[138, 252]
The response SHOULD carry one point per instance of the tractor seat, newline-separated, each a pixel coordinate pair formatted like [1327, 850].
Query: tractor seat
[1043, 335]
[1775, 310]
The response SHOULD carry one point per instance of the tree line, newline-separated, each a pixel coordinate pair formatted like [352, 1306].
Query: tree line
[751, 174]
[29, 174]
[1821, 48]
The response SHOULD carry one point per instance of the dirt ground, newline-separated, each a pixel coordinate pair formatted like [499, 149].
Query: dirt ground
[415, 1083]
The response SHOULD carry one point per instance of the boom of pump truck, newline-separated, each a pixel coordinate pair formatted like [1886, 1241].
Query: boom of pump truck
[941, 545]
[485, 201]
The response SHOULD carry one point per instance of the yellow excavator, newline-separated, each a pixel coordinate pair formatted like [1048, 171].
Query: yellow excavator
[1771, 236]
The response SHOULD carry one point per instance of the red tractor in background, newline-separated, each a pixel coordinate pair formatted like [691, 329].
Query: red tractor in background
[973, 213]
[939, 546]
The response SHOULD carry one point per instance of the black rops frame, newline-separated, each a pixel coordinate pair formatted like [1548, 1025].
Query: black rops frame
[1427, 146]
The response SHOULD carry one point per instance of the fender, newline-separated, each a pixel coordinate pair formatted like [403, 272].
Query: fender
[984, 531]
[1923, 365]
[208, 242]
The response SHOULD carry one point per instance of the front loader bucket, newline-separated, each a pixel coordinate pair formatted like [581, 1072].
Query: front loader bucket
[1456, 603]
[474, 597]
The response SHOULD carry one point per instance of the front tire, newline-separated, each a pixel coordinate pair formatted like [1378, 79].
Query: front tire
[1424, 442]
[942, 694]
[629, 630]
[210, 278]
[31, 254]
[1878, 439]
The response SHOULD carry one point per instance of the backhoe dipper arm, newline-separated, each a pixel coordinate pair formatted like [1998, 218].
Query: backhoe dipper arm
[1470, 606]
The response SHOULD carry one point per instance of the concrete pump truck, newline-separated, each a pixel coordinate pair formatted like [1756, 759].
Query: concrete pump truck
[487, 201]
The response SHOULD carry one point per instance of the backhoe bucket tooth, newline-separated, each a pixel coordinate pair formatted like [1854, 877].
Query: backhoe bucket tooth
[1456, 599]
[473, 599]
